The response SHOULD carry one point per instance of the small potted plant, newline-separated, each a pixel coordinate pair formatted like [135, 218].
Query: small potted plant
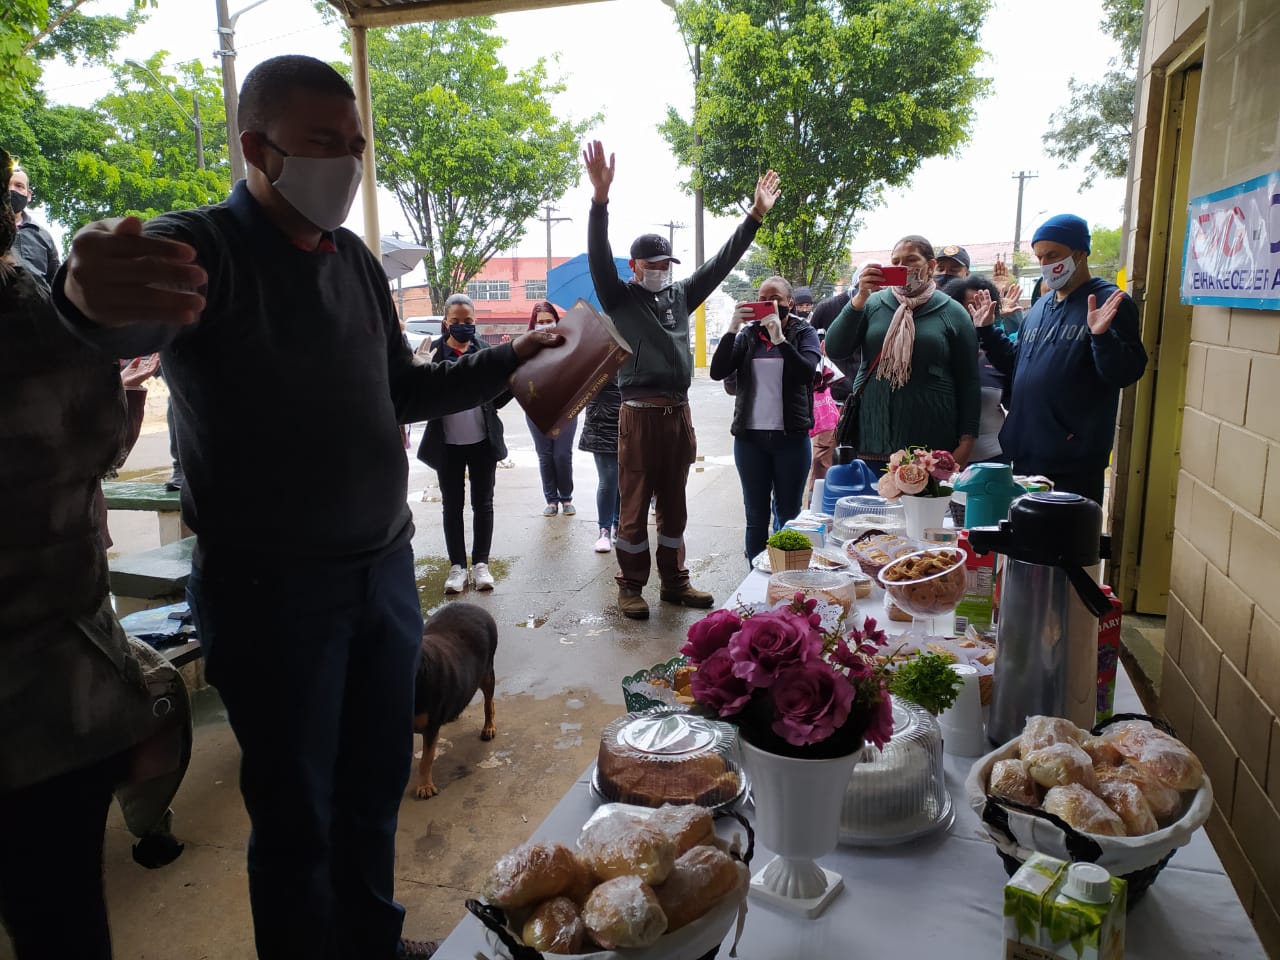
[928, 680]
[789, 550]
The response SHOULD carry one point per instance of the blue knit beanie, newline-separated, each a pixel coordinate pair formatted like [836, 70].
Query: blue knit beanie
[1066, 229]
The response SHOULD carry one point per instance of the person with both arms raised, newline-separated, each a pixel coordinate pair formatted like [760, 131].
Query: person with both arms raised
[1078, 347]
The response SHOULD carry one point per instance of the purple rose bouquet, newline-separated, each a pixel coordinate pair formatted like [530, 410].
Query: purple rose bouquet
[790, 687]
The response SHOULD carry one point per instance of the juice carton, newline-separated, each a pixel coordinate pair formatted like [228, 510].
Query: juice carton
[977, 607]
[1026, 896]
[1086, 917]
[1108, 655]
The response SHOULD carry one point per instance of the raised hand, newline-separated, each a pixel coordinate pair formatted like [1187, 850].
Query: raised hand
[1000, 272]
[984, 311]
[116, 276]
[139, 370]
[767, 192]
[599, 172]
[1012, 298]
[1099, 320]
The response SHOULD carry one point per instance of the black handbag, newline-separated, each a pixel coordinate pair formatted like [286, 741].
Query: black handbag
[847, 426]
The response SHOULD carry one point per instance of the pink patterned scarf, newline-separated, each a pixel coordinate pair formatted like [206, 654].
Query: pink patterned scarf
[900, 339]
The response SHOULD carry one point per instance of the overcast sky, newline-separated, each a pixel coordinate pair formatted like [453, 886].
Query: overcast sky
[626, 60]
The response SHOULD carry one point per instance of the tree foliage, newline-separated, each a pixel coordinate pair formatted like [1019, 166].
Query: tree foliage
[469, 150]
[1104, 254]
[1097, 122]
[844, 98]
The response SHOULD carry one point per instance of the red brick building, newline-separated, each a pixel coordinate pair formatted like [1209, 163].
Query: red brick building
[504, 292]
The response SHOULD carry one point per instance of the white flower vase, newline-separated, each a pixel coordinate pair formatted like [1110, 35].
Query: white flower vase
[922, 513]
[797, 817]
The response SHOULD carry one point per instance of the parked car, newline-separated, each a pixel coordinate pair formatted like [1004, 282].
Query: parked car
[418, 329]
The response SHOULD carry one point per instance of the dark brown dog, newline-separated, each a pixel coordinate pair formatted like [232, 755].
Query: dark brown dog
[458, 645]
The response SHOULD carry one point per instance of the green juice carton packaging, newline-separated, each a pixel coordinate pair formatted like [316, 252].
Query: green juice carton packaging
[1025, 897]
[1064, 912]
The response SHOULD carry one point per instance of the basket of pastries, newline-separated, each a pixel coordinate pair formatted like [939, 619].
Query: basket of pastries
[1124, 795]
[642, 885]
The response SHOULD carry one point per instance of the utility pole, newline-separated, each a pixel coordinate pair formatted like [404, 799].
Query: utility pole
[551, 221]
[195, 118]
[1022, 176]
[230, 91]
[672, 227]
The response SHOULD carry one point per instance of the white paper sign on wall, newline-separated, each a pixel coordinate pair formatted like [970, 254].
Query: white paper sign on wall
[1232, 255]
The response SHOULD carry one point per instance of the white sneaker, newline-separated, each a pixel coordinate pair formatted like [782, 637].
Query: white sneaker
[456, 581]
[603, 545]
[481, 576]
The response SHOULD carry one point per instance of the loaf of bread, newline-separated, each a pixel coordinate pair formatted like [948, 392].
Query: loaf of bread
[686, 826]
[1161, 755]
[1165, 802]
[1102, 751]
[1009, 779]
[1083, 810]
[1059, 764]
[529, 874]
[624, 912]
[1042, 732]
[702, 877]
[555, 927]
[620, 846]
[1128, 803]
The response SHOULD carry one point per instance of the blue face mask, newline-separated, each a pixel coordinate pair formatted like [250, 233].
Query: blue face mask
[462, 332]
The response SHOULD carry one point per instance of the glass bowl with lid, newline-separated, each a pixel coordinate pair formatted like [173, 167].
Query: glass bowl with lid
[854, 516]
[900, 793]
[834, 586]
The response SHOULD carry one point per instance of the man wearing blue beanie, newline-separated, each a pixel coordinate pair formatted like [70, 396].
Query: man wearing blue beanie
[1072, 359]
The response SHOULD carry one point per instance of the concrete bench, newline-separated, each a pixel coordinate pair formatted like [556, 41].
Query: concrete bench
[153, 497]
[170, 637]
[151, 578]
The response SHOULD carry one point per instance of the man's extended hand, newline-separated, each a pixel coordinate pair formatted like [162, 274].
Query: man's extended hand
[1099, 319]
[767, 191]
[116, 276]
[984, 309]
[599, 172]
[139, 370]
[527, 344]
[1012, 298]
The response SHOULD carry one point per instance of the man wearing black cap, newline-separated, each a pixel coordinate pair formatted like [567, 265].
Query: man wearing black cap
[953, 262]
[802, 302]
[656, 443]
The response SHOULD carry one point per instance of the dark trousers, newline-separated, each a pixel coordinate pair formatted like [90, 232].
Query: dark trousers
[772, 467]
[555, 461]
[51, 901]
[315, 665]
[656, 447]
[607, 501]
[474, 460]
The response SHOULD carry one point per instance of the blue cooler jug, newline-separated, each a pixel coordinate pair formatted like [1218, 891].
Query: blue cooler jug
[847, 478]
[989, 490]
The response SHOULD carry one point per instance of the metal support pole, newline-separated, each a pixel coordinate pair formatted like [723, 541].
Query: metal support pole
[364, 103]
[195, 117]
[230, 93]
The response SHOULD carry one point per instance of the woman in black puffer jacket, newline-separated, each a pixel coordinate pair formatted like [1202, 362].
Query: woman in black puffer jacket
[600, 438]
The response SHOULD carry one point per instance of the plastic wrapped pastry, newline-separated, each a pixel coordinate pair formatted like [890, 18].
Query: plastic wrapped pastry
[1059, 764]
[686, 826]
[1042, 732]
[555, 927]
[620, 846]
[1083, 810]
[1165, 803]
[1128, 803]
[702, 878]
[624, 912]
[529, 874]
[1165, 757]
[1102, 751]
[1009, 779]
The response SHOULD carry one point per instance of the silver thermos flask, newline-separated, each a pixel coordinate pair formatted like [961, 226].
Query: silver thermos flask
[1047, 633]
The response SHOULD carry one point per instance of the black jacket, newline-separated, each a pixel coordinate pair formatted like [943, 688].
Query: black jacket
[431, 450]
[600, 421]
[800, 354]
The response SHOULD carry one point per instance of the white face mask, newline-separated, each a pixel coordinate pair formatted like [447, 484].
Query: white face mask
[1058, 275]
[322, 189]
[655, 280]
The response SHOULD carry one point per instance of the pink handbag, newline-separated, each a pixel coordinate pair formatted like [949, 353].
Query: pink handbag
[826, 414]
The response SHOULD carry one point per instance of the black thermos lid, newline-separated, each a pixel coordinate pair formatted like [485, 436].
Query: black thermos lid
[1049, 528]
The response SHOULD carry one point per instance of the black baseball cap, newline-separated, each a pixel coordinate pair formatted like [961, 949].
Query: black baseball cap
[959, 254]
[652, 246]
[802, 295]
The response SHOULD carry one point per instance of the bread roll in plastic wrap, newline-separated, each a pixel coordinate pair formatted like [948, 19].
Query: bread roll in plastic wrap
[1083, 810]
[686, 826]
[529, 874]
[555, 927]
[619, 846]
[1102, 751]
[624, 912]
[1165, 802]
[1165, 757]
[1128, 803]
[702, 878]
[1009, 779]
[1059, 764]
[1040, 732]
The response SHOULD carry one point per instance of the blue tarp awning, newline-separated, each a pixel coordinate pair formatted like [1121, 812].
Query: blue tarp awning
[572, 279]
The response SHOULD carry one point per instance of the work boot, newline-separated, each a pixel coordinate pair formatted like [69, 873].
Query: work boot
[687, 596]
[416, 949]
[632, 604]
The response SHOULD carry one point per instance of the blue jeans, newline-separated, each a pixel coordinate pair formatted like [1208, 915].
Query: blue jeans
[555, 461]
[608, 502]
[315, 665]
[773, 467]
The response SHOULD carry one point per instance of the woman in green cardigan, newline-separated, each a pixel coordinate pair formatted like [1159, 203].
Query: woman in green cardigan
[918, 380]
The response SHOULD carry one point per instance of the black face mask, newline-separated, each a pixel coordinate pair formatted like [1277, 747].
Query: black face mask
[462, 332]
[783, 310]
[17, 201]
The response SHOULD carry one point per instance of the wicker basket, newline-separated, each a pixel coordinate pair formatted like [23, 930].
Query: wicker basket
[789, 559]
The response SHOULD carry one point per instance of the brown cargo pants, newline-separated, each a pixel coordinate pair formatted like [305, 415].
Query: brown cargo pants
[656, 447]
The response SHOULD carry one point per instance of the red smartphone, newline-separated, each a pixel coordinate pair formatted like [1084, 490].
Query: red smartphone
[761, 310]
[895, 276]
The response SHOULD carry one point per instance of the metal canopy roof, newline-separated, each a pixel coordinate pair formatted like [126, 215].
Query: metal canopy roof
[391, 13]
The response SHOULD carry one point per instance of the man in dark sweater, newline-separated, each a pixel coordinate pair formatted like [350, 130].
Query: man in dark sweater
[34, 247]
[285, 358]
[656, 443]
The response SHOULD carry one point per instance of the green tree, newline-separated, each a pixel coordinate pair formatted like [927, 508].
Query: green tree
[844, 98]
[1104, 256]
[1097, 122]
[468, 150]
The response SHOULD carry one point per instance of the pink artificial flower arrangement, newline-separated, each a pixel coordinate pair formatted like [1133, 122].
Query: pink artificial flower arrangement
[789, 687]
[917, 472]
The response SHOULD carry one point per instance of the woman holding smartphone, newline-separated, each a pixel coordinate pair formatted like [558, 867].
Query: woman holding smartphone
[769, 365]
[917, 383]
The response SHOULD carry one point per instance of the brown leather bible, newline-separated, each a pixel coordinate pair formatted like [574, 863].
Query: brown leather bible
[556, 384]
